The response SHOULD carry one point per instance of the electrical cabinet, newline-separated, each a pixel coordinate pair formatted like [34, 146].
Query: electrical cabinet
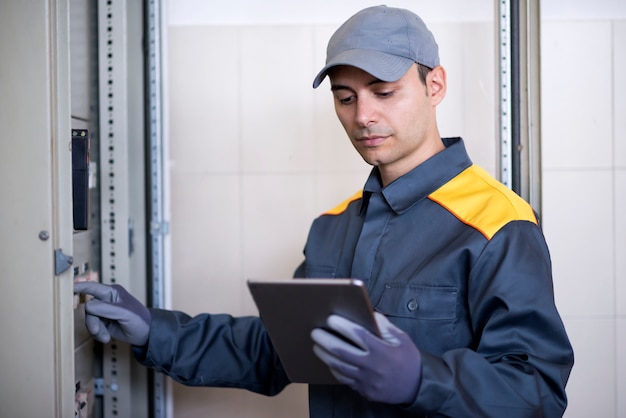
[51, 222]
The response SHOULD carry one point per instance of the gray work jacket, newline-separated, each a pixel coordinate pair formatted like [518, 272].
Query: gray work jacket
[453, 258]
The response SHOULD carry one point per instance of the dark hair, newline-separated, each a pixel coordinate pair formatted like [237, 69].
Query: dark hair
[423, 72]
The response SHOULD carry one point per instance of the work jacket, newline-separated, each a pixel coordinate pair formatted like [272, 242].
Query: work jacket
[452, 257]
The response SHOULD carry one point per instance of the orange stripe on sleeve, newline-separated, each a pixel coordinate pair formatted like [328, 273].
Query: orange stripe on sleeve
[479, 200]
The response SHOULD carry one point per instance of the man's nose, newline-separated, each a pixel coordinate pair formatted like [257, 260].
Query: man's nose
[366, 111]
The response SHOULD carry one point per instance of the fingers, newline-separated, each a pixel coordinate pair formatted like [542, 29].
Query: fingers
[106, 310]
[361, 337]
[94, 324]
[333, 343]
[97, 329]
[348, 329]
[98, 290]
[341, 370]
[388, 331]
[332, 361]
[341, 356]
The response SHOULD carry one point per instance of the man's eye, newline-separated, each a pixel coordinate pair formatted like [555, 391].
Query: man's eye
[345, 100]
[384, 94]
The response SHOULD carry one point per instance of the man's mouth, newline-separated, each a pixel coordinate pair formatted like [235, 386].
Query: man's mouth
[371, 141]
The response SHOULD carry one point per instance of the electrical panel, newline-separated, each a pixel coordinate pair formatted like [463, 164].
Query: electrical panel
[52, 211]
[107, 191]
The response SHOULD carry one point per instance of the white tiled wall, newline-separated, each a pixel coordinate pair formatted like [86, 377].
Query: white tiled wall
[256, 154]
[584, 199]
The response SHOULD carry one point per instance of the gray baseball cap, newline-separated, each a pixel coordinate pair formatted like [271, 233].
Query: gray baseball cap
[383, 41]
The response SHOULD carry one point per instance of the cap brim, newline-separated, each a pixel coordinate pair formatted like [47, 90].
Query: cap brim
[385, 67]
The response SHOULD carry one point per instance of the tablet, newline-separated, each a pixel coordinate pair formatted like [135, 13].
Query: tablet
[292, 308]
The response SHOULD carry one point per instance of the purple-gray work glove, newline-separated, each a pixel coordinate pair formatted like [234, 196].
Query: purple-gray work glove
[387, 369]
[114, 313]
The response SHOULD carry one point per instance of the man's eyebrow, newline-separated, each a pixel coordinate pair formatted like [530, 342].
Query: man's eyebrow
[336, 87]
[376, 81]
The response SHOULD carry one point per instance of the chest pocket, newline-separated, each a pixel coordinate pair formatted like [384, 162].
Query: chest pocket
[428, 314]
[418, 302]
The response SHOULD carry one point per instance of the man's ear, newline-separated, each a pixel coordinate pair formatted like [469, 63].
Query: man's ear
[437, 84]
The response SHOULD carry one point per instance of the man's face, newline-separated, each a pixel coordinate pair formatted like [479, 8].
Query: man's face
[392, 125]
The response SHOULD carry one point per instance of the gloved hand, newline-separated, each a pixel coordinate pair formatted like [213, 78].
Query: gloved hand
[114, 313]
[382, 370]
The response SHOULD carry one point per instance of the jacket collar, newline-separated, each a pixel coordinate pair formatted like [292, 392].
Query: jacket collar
[423, 180]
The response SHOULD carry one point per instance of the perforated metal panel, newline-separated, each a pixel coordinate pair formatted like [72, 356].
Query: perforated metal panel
[115, 202]
[519, 98]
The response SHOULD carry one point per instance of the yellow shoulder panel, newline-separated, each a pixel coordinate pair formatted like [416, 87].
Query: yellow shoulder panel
[482, 202]
[344, 205]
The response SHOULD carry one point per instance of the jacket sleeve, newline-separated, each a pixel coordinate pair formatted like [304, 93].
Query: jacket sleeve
[213, 350]
[522, 357]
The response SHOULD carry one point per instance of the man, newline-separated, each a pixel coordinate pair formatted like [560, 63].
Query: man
[455, 264]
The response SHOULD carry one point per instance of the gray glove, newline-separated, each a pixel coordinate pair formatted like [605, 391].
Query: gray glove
[114, 313]
[387, 369]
